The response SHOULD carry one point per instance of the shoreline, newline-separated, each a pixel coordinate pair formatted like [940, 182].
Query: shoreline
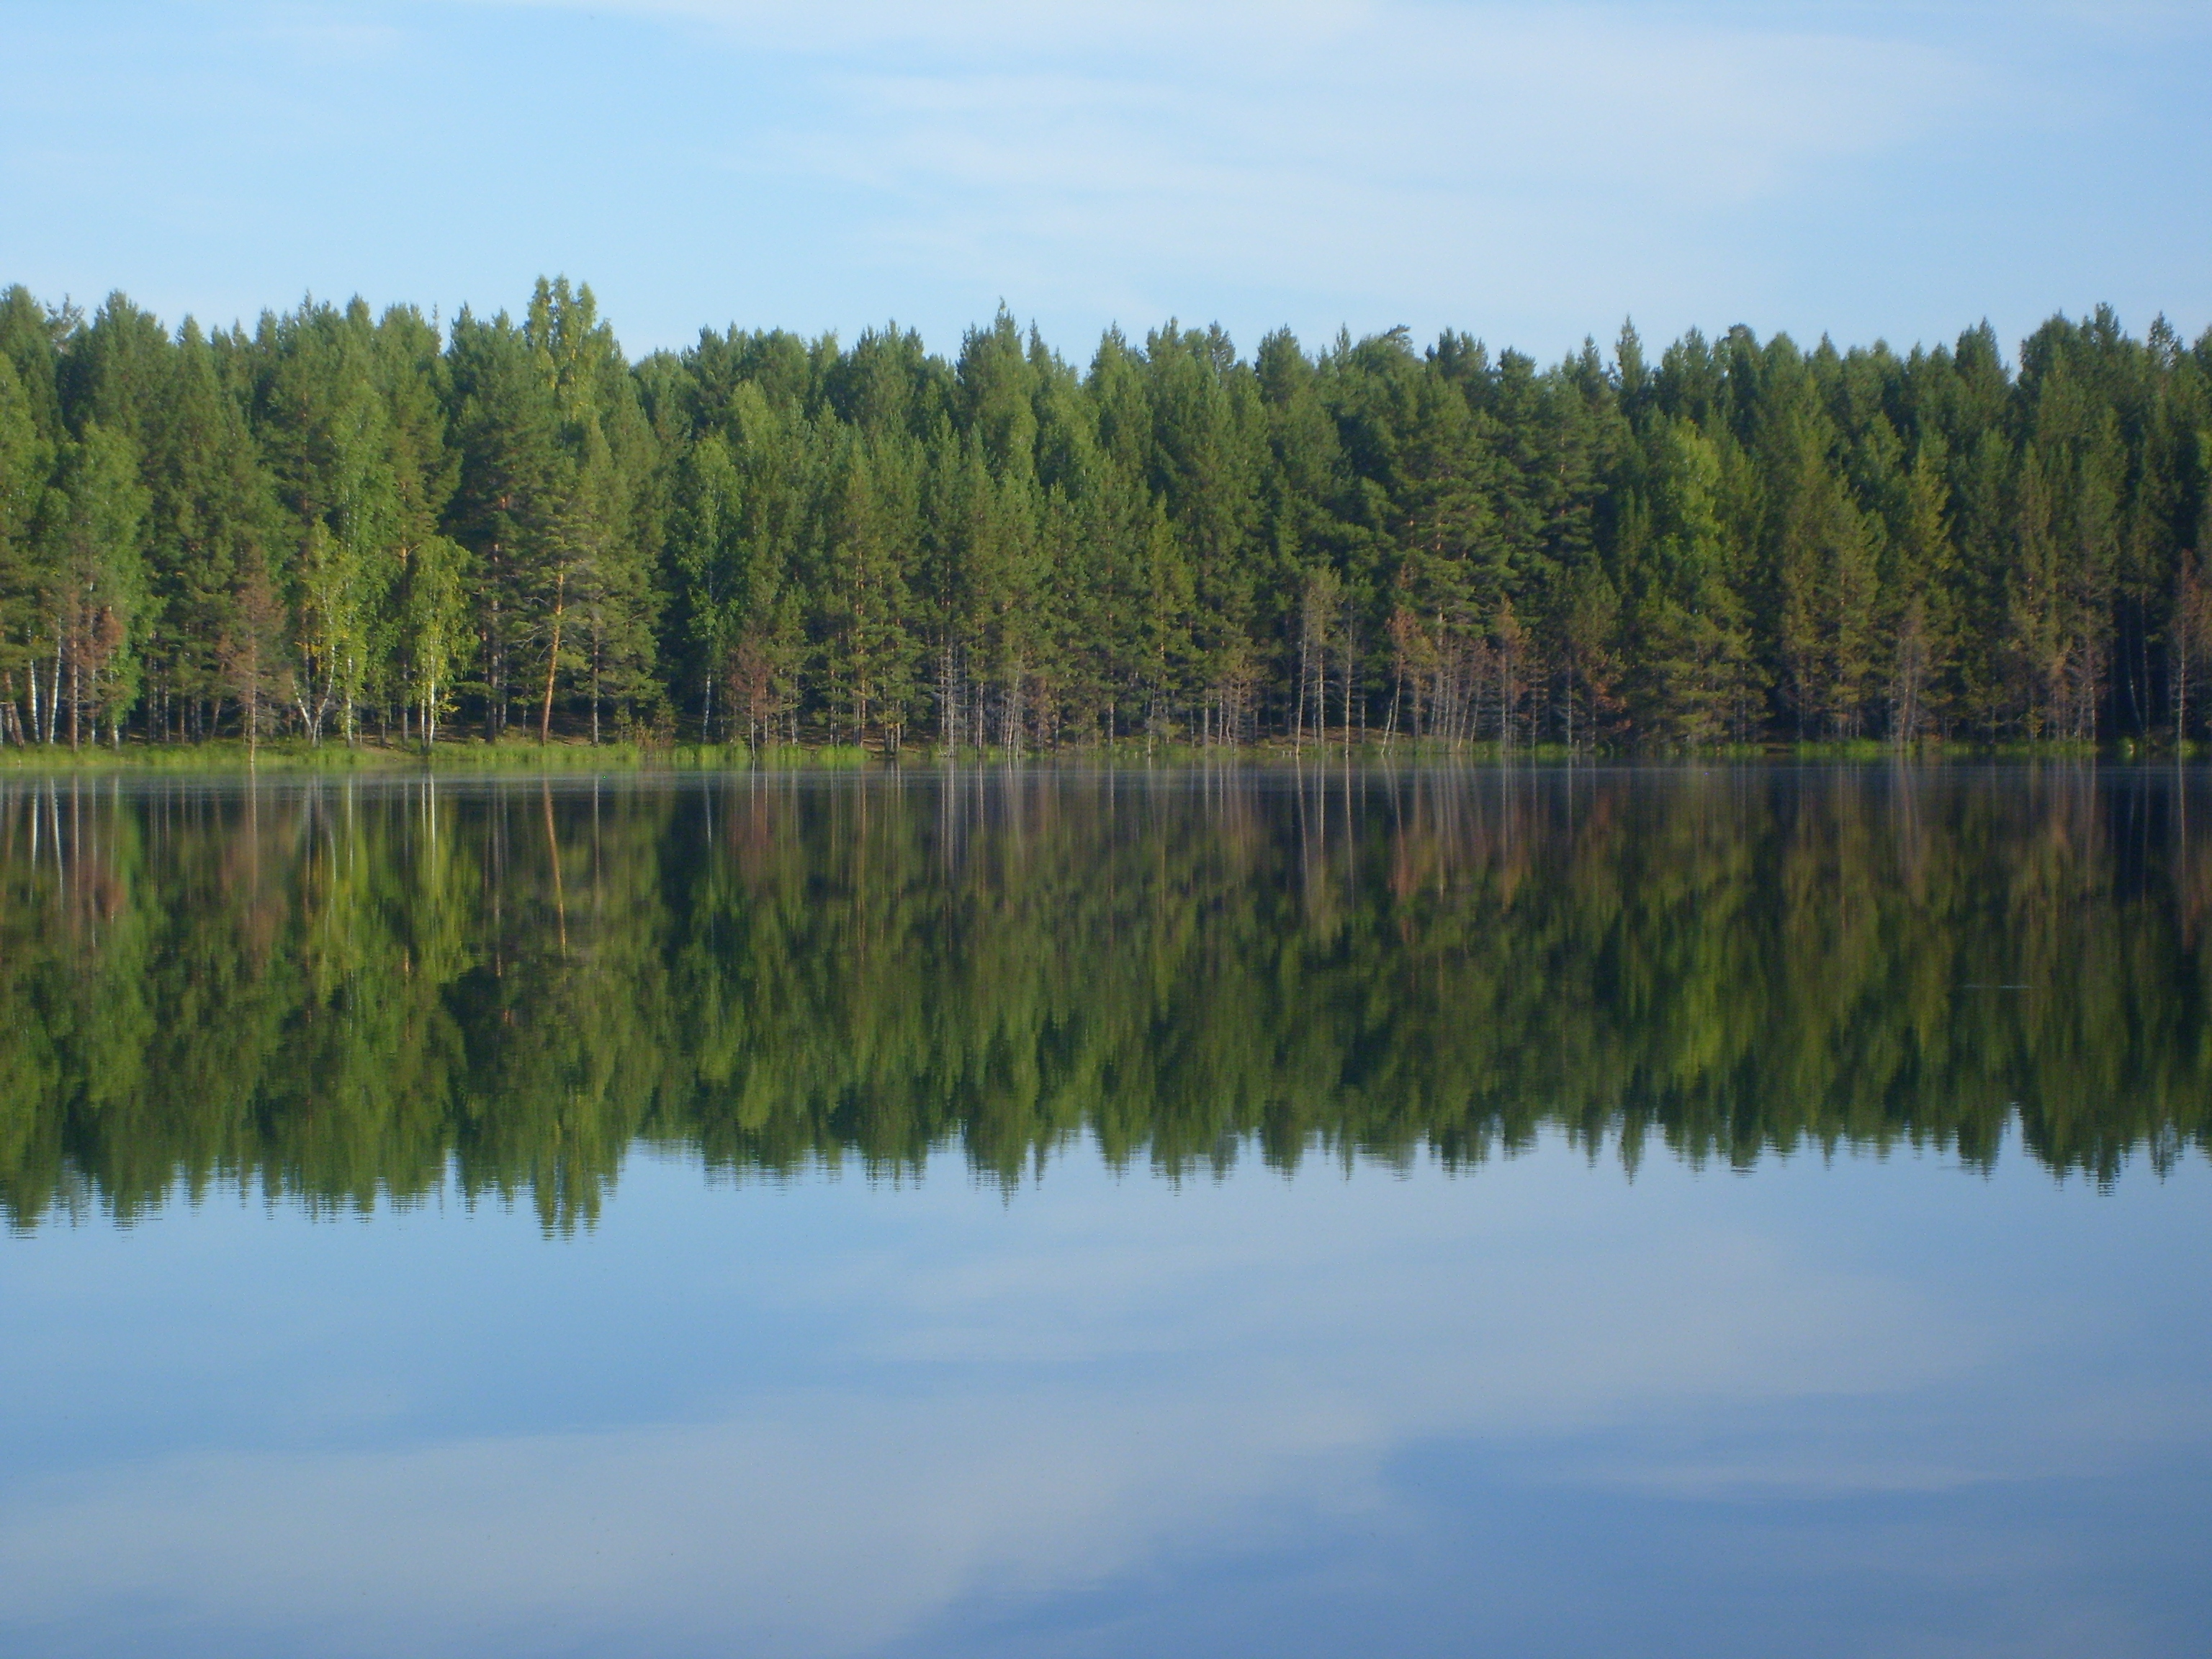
[225, 756]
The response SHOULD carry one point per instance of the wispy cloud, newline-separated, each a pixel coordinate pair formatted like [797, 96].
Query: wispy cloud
[1532, 171]
[1426, 149]
[1143, 1377]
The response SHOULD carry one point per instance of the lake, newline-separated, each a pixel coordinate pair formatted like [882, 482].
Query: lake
[1724, 1210]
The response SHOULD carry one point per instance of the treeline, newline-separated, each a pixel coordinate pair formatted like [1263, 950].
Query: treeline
[348, 992]
[338, 525]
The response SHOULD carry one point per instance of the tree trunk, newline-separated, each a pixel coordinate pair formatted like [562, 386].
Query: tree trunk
[552, 658]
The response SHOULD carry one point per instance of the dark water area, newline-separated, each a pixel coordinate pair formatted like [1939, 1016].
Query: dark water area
[1730, 1209]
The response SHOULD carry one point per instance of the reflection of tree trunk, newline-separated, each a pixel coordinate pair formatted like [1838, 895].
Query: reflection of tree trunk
[553, 852]
[552, 658]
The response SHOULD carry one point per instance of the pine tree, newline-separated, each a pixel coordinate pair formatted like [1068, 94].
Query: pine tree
[25, 461]
[214, 517]
[1694, 673]
[349, 520]
[507, 501]
[706, 570]
[92, 528]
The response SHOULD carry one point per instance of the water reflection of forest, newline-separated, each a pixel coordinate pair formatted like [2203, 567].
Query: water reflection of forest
[341, 990]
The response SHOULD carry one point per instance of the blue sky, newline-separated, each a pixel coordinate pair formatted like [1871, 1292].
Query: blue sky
[1531, 173]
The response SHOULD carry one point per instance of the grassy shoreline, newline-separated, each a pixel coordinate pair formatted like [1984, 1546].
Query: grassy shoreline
[226, 755]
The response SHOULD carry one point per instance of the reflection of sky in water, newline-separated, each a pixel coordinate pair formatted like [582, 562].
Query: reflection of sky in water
[1870, 1406]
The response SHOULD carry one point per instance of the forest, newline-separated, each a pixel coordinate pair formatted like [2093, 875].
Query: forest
[344, 528]
[345, 993]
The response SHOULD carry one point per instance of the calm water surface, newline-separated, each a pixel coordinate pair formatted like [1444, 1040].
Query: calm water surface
[1718, 1211]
